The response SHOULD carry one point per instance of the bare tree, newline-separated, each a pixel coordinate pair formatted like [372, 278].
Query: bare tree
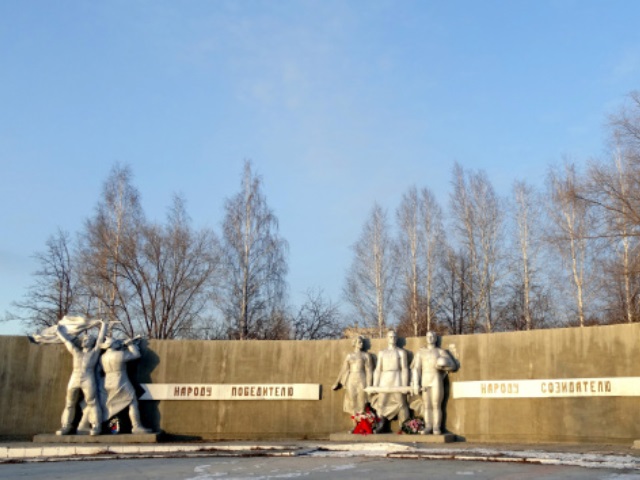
[610, 188]
[54, 292]
[255, 265]
[571, 228]
[625, 124]
[370, 280]
[433, 250]
[173, 274]
[112, 235]
[419, 252]
[409, 258]
[478, 217]
[455, 306]
[527, 221]
[317, 318]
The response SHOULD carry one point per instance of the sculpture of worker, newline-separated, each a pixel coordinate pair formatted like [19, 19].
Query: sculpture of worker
[120, 392]
[428, 369]
[355, 375]
[391, 374]
[83, 378]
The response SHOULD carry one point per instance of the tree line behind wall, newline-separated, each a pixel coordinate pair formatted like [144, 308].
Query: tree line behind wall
[565, 254]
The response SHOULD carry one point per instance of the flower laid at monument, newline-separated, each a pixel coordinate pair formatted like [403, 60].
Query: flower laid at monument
[413, 426]
[364, 422]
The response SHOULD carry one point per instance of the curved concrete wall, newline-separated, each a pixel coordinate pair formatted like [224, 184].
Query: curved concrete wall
[33, 384]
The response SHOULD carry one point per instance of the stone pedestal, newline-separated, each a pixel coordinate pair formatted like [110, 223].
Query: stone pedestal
[392, 438]
[105, 439]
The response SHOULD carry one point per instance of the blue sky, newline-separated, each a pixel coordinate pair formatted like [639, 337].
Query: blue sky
[339, 104]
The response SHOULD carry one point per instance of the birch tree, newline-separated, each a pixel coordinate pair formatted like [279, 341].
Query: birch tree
[112, 235]
[478, 218]
[255, 265]
[409, 258]
[433, 250]
[571, 224]
[370, 280]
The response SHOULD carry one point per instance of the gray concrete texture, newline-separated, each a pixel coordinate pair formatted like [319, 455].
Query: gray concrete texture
[33, 383]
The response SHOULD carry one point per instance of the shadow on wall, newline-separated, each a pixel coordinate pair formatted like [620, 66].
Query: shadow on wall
[141, 370]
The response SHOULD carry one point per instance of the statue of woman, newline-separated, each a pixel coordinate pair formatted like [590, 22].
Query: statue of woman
[355, 375]
[120, 392]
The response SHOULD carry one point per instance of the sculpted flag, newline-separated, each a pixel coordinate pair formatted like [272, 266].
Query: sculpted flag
[73, 325]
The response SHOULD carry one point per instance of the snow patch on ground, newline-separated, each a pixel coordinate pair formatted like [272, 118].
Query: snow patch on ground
[551, 458]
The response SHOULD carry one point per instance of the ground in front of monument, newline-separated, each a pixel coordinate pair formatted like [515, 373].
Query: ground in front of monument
[308, 467]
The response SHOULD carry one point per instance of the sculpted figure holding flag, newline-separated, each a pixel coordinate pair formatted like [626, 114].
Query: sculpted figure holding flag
[83, 378]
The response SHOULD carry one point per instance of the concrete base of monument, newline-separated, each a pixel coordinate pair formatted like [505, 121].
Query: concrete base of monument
[106, 438]
[392, 438]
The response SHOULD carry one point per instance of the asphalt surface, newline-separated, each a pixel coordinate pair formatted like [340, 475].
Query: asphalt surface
[316, 459]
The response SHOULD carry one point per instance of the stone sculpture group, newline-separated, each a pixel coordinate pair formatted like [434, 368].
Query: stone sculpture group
[394, 380]
[104, 398]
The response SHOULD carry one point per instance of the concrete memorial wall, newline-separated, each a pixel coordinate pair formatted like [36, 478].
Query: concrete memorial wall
[561, 385]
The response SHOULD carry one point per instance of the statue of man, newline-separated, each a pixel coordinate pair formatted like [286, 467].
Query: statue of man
[355, 375]
[83, 379]
[428, 369]
[120, 392]
[391, 371]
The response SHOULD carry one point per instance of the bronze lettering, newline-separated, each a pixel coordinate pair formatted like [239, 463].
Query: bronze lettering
[208, 391]
[176, 392]
[543, 387]
[253, 391]
[600, 386]
[607, 386]
[183, 392]
[291, 391]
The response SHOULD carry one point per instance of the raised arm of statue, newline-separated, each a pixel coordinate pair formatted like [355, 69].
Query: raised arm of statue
[133, 353]
[68, 341]
[101, 335]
